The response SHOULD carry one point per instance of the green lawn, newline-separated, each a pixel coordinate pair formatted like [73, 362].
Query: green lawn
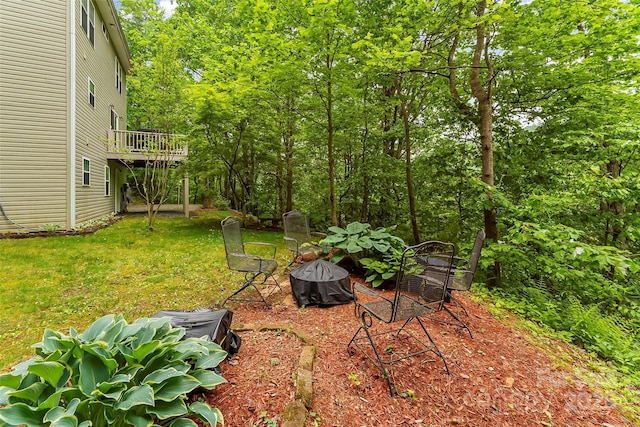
[62, 281]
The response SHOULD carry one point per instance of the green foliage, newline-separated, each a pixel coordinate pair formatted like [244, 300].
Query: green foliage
[266, 421]
[114, 373]
[609, 336]
[379, 270]
[409, 394]
[315, 417]
[354, 377]
[557, 258]
[96, 223]
[358, 240]
[275, 86]
[377, 250]
[587, 292]
[220, 202]
[51, 228]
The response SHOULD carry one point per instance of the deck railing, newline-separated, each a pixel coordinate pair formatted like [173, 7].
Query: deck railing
[139, 142]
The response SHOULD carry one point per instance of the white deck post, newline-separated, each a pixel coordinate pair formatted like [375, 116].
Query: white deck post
[185, 195]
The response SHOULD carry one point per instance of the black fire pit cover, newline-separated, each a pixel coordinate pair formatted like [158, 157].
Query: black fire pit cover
[321, 283]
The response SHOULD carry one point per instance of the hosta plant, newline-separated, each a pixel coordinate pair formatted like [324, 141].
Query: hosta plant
[113, 374]
[386, 270]
[379, 271]
[358, 240]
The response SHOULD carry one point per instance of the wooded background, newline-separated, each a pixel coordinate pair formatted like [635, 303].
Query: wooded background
[440, 117]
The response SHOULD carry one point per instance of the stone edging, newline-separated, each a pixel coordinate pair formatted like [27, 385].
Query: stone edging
[295, 412]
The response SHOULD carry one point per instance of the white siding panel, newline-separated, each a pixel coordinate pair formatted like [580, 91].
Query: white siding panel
[33, 112]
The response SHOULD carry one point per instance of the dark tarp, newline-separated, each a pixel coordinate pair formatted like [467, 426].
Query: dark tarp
[214, 325]
[321, 283]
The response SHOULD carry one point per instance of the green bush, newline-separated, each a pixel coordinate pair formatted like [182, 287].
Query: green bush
[377, 250]
[609, 336]
[378, 271]
[589, 293]
[220, 202]
[113, 374]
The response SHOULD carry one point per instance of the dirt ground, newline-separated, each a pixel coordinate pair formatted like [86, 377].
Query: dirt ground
[498, 378]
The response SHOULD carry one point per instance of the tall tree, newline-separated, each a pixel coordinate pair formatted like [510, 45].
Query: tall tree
[327, 34]
[156, 89]
[481, 83]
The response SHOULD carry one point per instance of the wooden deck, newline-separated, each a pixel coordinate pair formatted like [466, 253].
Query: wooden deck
[138, 146]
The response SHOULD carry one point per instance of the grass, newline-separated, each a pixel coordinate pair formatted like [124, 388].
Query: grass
[69, 281]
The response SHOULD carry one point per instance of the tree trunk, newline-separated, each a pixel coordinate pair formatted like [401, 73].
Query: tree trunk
[280, 181]
[288, 155]
[614, 227]
[251, 178]
[364, 211]
[389, 119]
[483, 96]
[330, 159]
[407, 164]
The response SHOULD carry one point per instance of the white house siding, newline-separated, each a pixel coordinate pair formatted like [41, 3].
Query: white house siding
[34, 69]
[92, 124]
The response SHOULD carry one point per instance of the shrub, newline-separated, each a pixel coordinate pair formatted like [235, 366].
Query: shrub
[377, 250]
[113, 374]
[588, 292]
[379, 271]
[221, 203]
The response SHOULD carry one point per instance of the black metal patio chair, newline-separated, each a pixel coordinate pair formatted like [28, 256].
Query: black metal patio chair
[460, 279]
[298, 237]
[257, 269]
[420, 290]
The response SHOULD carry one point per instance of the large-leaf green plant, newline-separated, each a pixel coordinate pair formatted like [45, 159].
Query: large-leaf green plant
[588, 292]
[377, 250]
[113, 374]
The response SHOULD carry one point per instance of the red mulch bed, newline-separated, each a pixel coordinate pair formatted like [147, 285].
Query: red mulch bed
[498, 378]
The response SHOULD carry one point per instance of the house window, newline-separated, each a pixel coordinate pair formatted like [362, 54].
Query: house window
[105, 31]
[114, 120]
[107, 181]
[88, 13]
[86, 171]
[118, 76]
[92, 93]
